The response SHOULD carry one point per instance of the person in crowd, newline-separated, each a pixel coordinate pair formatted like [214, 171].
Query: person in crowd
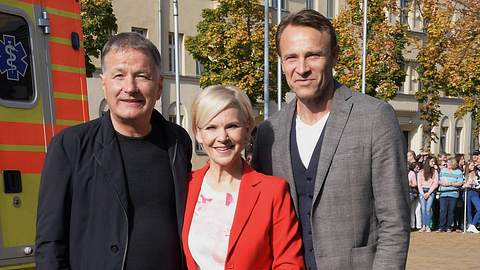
[235, 217]
[472, 187]
[427, 184]
[411, 157]
[421, 158]
[342, 152]
[458, 217]
[450, 179]
[442, 160]
[436, 204]
[112, 190]
[415, 211]
[476, 157]
[435, 164]
[461, 161]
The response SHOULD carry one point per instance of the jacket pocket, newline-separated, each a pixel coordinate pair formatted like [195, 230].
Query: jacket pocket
[362, 257]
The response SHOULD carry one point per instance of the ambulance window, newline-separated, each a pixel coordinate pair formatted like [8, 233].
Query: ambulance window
[15, 59]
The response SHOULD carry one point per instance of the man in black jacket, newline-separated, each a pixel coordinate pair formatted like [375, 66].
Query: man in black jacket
[112, 192]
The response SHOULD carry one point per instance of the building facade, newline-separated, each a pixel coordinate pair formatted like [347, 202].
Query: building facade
[154, 19]
[454, 134]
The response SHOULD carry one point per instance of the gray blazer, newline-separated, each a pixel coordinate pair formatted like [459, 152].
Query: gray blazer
[360, 213]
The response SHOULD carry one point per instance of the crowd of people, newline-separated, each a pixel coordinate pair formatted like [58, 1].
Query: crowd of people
[444, 192]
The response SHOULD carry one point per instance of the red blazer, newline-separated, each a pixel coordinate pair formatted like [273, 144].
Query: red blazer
[265, 230]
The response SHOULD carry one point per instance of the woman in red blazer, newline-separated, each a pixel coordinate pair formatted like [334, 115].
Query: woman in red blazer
[235, 217]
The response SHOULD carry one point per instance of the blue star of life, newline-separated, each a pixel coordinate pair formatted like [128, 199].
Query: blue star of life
[12, 58]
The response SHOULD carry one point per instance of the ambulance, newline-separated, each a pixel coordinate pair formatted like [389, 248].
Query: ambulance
[42, 91]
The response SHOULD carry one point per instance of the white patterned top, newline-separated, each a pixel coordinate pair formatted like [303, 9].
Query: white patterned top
[210, 229]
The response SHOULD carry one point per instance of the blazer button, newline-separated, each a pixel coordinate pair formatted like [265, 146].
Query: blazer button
[230, 266]
[114, 248]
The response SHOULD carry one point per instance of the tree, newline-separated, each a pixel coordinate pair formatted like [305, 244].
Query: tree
[230, 46]
[385, 44]
[449, 60]
[99, 23]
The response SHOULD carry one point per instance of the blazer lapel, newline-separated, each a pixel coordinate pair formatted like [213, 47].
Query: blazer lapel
[247, 198]
[282, 155]
[109, 158]
[341, 108]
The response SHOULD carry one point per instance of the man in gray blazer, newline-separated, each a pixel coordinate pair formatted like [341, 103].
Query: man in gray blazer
[342, 153]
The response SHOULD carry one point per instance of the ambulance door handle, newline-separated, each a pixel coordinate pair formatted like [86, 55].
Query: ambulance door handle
[44, 22]
[12, 181]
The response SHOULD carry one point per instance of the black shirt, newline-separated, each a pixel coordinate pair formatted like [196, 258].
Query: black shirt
[153, 241]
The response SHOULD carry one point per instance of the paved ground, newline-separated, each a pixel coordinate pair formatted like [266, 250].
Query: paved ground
[452, 251]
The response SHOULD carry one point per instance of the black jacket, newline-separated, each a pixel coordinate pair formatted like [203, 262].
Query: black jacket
[82, 208]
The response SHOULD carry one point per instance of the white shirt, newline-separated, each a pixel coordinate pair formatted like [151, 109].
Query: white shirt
[210, 229]
[307, 137]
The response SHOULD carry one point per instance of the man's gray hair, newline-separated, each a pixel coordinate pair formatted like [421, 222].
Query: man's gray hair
[130, 40]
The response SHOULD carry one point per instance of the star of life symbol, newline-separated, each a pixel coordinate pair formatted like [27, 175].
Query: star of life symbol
[12, 58]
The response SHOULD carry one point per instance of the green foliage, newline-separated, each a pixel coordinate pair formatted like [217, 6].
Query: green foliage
[98, 23]
[229, 45]
[385, 45]
[450, 58]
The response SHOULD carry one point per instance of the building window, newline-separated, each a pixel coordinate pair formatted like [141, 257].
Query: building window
[199, 148]
[443, 135]
[172, 113]
[330, 8]
[412, 79]
[458, 135]
[475, 142]
[443, 139]
[419, 83]
[406, 86]
[171, 52]
[408, 79]
[274, 4]
[309, 4]
[458, 132]
[415, 83]
[404, 11]
[198, 68]
[141, 31]
[414, 23]
[173, 118]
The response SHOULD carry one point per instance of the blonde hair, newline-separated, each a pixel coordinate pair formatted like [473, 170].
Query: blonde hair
[215, 99]
[453, 162]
